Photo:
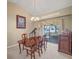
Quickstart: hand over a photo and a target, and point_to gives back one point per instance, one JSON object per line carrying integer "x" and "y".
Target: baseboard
{"x": 12, "y": 46}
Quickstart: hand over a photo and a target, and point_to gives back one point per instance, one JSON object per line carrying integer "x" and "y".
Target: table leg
{"x": 20, "y": 48}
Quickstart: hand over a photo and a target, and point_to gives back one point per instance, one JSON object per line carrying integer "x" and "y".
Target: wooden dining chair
{"x": 39, "y": 44}
{"x": 30, "y": 48}
{"x": 24, "y": 37}
{"x": 22, "y": 41}
{"x": 36, "y": 41}
{"x": 43, "y": 43}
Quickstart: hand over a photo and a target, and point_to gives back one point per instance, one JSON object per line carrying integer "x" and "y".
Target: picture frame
{"x": 20, "y": 22}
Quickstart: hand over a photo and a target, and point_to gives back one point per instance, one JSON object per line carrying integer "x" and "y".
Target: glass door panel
{"x": 51, "y": 32}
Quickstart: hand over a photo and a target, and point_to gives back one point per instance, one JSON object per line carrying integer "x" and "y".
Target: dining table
{"x": 30, "y": 42}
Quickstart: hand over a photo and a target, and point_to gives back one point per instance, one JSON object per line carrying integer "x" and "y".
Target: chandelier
{"x": 34, "y": 18}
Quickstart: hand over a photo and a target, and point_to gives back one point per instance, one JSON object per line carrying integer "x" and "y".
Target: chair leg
{"x": 41, "y": 50}
{"x": 34, "y": 54}
{"x": 41, "y": 47}
{"x": 31, "y": 55}
{"x": 44, "y": 47}
{"x": 23, "y": 47}
{"x": 46, "y": 44}
{"x": 27, "y": 52}
{"x": 38, "y": 51}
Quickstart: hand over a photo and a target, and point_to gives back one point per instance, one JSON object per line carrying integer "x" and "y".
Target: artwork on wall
{"x": 20, "y": 22}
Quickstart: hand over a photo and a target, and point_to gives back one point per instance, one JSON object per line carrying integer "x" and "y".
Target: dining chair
{"x": 30, "y": 47}
{"x": 38, "y": 39}
{"x": 22, "y": 41}
{"x": 24, "y": 37}
{"x": 43, "y": 43}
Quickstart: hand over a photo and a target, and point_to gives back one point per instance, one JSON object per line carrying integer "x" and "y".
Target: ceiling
{"x": 42, "y": 6}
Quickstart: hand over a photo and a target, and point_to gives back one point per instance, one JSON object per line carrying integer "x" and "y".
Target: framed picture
{"x": 20, "y": 21}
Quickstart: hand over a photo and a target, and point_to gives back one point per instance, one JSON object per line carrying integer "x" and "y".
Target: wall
{"x": 56, "y": 21}
{"x": 14, "y": 34}
{"x": 61, "y": 12}
{"x": 68, "y": 22}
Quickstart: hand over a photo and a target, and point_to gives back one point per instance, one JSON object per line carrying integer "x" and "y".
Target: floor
{"x": 50, "y": 53}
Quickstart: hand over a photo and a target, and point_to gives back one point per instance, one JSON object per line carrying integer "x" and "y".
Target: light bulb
{"x": 32, "y": 18}
{"x": 37, "y": 18}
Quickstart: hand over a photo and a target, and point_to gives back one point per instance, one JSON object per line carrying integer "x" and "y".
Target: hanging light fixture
{"x": 34, "y": 18}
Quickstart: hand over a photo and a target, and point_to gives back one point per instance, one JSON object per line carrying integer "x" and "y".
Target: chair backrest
{"x": 33, "y": 40}
{"x": 24, "y": 36}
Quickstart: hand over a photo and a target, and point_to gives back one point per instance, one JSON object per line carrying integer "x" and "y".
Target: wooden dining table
{"x": 20, "y": 42}
{"x": 30, "y": 42}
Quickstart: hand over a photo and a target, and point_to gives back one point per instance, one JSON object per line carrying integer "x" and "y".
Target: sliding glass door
{"x": 51, "y": 33}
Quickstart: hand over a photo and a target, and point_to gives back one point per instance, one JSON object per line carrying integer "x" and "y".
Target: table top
{"x": 29, "y": 42}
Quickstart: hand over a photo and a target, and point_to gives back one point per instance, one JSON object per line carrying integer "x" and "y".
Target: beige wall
{"x": 58, "y": 13}
{"x": 68, "y": 22}
{"x": 14, "y": 34}
{"x": 56, "y": 21}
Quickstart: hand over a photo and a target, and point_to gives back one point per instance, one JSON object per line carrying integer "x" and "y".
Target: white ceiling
{"x": 42, "y": 6}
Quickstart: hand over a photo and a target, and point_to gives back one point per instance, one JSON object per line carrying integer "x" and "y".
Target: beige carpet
{"x": 50, "y": 53}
